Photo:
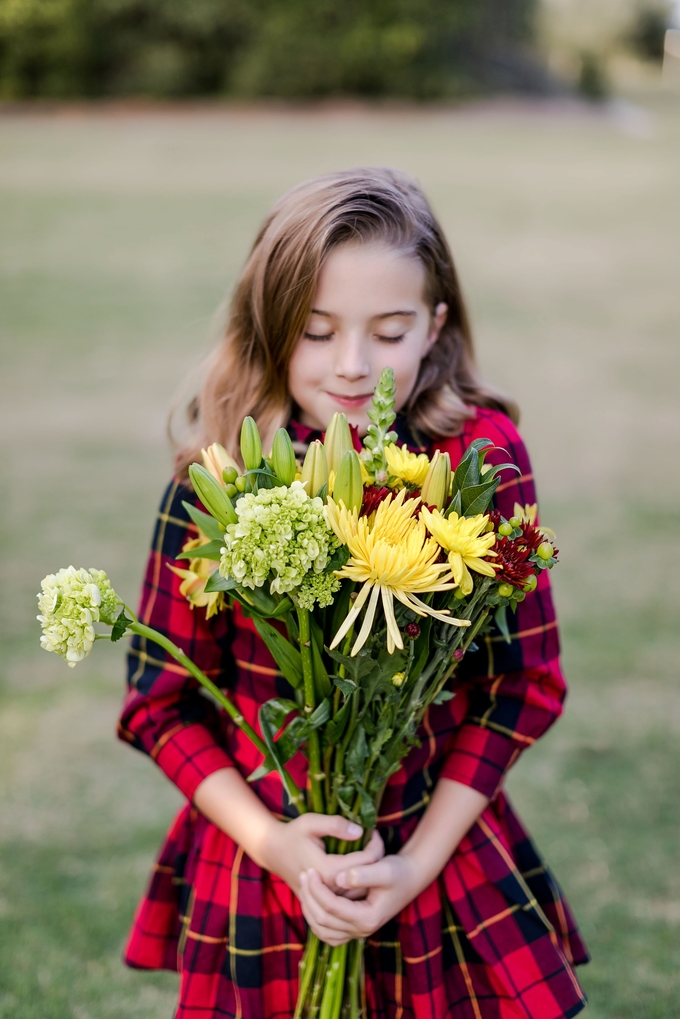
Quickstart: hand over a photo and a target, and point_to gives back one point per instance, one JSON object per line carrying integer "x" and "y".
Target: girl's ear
{"x": 438, "y": 320}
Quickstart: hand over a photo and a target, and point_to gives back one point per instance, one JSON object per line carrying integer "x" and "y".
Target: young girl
{"x": 349, "y": 273}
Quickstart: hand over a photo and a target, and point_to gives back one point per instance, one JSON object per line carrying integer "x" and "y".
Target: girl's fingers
{"x": 374, "y": 851}
{"x": 332, "y": 863}
{"x": 375, "y": 875}
{"x": 315, "y": 913}
{"x": 333, "y": 825}
{"x": 335, "y": 910}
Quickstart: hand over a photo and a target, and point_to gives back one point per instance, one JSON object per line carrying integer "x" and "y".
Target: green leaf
{"x": 443, "y": 696}
{"x": 259, "y": 601}
{"x": 338, "y": 559}
{"x": 501, "y": 620}
{"x": 322, "y": 683}
{"x": 495, "y": 469}
{"x": 284, "y": 654}
{"x": 120, "y": 626}
{"x": 209, "y": 551}
{"x": 272, "y": 715}
{"x": 476, "y": 499}
{"x": 358, "y": 752}
{"x": 207, "y": 524}
{"x": 335, "y": 729}
{"x": 367, "y": 811}
{"x": 347, "y": 686}
{"x": 216, "y": 582}
{"x": 321, "y": 714}
{"x": 467, "y": 471}
{"x": 455, "y": 506}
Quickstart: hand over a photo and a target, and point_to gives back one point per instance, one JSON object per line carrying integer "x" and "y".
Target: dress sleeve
{"x": 515, "y": 691}
{"x": 164, "y": 714}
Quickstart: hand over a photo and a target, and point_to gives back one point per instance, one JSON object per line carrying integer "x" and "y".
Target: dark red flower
{"x": 531, "y": 536}
{"x": 356, "y": 438}
{"x": 496, "y": 518}
{"x": 513, "y": 558}
{"x": 412, "y": 630}
{"x": 373, "y": 496}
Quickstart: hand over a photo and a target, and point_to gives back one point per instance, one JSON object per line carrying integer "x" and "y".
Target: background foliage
{"x": 414, "y": 48}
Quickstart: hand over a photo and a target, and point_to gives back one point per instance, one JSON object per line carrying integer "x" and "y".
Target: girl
{"x": 349, "y": 273}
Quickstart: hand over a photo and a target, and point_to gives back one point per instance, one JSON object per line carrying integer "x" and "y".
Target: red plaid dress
{"x": 491, "y": 938}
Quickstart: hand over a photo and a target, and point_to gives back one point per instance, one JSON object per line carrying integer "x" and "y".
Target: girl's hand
{"x": 392, "y": 883}
{"x": 293, "y": 847}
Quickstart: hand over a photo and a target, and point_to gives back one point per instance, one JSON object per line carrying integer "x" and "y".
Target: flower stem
{"x": 294, "y": 792}
{"x": 313, "y": 747}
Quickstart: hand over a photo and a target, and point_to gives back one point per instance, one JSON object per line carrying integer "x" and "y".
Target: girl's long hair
{"x": 248, "y": 371}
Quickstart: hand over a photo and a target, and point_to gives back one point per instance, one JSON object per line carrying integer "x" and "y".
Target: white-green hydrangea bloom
{"x": 70, "y": 603}
{"x": 281, "y": 536}
{"x": 317, "y": 588}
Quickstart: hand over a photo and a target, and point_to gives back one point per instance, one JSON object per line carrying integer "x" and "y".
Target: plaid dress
{"x": 491, "y": 938}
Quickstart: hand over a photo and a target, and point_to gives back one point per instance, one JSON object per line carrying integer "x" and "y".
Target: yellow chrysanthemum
{"x": 394, "y": 558}
{"x": 195, "y": 578}
{"x": 410, "y": 468}
{"x": 463, "y": 539}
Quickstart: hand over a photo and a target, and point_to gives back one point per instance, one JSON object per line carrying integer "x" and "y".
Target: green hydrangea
{"x": 282, "y": 537}
{"x": 317, "y": 588}
{"x": 70, "y": 602}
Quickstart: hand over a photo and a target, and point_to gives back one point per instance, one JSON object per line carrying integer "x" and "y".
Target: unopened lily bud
{"x": 251, "y": 444}
{"x": 348, "y": 487}
{"x": 283, "y": 457}
{"x": 217, "y": 460}
{"x": 212, "y": 495}
{"x": 437, "y": 480}
{"x": 338, "y": 441}
{"x": 315, "y": 468}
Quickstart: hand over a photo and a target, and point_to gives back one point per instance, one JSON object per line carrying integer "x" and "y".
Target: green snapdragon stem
{"x": 316, "y": 775}
{"x": 294, "y": 792}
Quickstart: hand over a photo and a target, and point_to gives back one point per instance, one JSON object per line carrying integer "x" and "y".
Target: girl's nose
{"x": 351, "y": 360}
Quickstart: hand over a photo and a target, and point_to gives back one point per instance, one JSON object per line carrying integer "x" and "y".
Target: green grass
{"x": 120, "y": 234}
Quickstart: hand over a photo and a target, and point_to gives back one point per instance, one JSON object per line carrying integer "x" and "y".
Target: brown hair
{"x": 248, "y": 372}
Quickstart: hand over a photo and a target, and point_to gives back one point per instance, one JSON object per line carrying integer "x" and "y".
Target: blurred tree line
{"x": 290, "y": 48}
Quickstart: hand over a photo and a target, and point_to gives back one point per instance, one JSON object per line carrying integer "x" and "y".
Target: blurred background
{"x": 141, "y": 142}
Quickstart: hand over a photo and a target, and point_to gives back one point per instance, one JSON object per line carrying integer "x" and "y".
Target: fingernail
{"x": 354, "y": 831}
{"x": 303, "y": 877}
{"x": 340, "y": 879}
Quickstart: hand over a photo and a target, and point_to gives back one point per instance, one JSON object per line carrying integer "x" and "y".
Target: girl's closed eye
{"x": 319, "y": 336}
{"x": 390, "y": 339}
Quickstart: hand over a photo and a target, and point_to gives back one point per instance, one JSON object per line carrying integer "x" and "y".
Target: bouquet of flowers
{"x": 368, "y": 575}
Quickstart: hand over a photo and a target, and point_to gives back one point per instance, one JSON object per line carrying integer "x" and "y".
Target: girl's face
{"x": 369, "y": 313}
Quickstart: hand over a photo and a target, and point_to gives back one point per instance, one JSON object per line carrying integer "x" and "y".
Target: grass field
{"x": 120, "y": 233}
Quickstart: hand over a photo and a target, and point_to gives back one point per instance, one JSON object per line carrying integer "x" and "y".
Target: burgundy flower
{"x": 531, "y": 536}
{"x": 373, "y": 496}
{"x": 513, "y": 558}
{"x": 412, "y": 630}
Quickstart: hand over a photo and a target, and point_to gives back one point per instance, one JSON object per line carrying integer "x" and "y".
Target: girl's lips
{"x": 351, "y": 401}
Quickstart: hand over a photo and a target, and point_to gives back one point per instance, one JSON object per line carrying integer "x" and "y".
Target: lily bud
{"x": 283, "y": 457}
{"x": 348, "y": 487}
{"x": 251, "y": 444}
{"x": 216, "y": 460}
{"x": 437, "y": 481}
{"x": 338, "y": 441}
{"x": 315, "y": 468}
{"x": 212, "y": 495}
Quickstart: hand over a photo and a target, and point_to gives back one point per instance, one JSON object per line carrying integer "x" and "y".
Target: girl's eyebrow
{"x": 387, "y": 314}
